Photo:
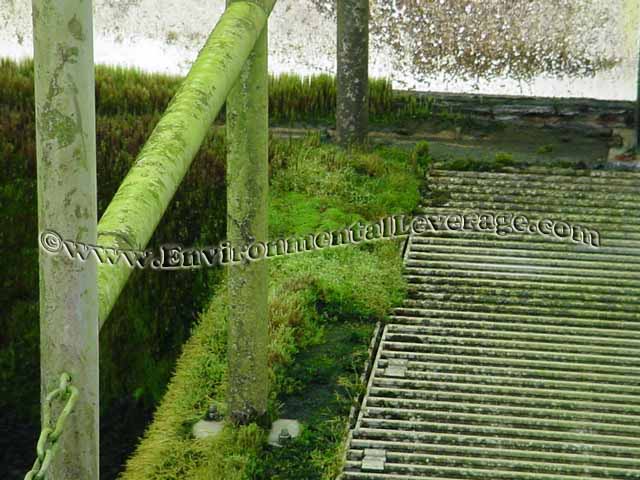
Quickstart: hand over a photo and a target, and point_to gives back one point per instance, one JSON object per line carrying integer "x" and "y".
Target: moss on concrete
{"x": 303, "y": 290}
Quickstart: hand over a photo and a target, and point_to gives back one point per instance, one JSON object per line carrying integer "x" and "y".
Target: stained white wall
{"x": 165, "y": 35}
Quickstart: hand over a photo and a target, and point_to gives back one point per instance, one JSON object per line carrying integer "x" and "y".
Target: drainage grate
{"x": 514, "y": 357}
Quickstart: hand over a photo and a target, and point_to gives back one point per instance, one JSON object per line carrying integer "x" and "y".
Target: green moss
{"x": 370, "y": 164}
{"x": 307, "y": 292}
{"x": 320, "y": 187}
{"x": 324, "y": 383}
{"x": 292, "y": 98}
{"x": 420, "y": 156}
{"x": 545, "y": 149}
{"x": 438, "y": 198}
{"x": 503, "y": 159}
{"x": 334, "y": 218}
{"x": 303, "y": 214}
{"x": 500, "y": 161}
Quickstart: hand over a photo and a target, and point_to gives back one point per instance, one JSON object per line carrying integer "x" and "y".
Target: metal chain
{"x": 48, "y": 441}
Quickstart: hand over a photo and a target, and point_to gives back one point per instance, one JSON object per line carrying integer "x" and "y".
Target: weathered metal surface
{"x": 637, "y": 109}
{"x": 373, "y": 460}
{"x": 352, "y": 107}
{"x": 247, "y": 199}
{"x": 520, "y": 351}
{"x": 66, "y": 156}
{"x": 145, "y": 193}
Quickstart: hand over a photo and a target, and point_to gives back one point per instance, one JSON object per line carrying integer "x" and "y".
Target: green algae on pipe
{"x": 67, "y": 203}
{"x": 247, "y": 198}
{"x": 138, "y": 205}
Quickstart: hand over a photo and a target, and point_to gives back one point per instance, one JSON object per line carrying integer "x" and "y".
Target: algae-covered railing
{"x": 77, "y": 297}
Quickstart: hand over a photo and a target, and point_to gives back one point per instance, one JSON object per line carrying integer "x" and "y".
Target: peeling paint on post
{"x": 66, "y": 152}
{"x": 247, "y": 198}
{"x": 145, "y": 193}
{"x": 352, "y": 108}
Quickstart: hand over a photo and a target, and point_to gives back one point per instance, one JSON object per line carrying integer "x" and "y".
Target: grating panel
{"x": 515, "y": 356}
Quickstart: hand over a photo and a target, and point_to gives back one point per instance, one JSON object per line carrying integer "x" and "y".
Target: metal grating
{"x": 513, "y": 357}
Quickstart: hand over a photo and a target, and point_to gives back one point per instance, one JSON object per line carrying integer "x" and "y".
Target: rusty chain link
{"x": 48, "y": 441}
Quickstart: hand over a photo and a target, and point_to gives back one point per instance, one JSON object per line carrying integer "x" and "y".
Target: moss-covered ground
{"x": 323, "y": 307}
{"x": 321, "y": 386}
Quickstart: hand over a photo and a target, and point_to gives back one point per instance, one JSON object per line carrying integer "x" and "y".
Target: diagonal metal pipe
{"x": 145, "y": 193}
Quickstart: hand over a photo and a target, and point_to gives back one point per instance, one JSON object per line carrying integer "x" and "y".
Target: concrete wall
{"x": 165, "y": 35}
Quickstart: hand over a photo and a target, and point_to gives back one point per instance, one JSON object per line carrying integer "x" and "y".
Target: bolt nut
{"x": 284, "y": 435}
{"x": 213, "y": 414}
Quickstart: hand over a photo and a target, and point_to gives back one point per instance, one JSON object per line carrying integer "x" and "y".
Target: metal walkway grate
{"x": 514, "y": 357}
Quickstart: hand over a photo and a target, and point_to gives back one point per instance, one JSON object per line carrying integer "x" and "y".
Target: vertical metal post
{"x": 247, "y": 123}
{"x": 66, "y": 153}
{"x": 637, "y": 115}
{"x": 352, "y": 108}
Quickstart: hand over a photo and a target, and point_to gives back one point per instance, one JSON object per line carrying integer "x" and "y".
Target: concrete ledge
{"x": 596, "y": 115}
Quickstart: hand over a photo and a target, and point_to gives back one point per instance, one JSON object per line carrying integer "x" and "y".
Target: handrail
{"x": 76, "y": 300}
{"x": 232, "y": 67}
{"x": 144, "y": 195}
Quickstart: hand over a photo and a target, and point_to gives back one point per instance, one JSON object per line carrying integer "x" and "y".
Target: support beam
{"x": 247, "y": 198}
{"x": 637, "y": 113}
{"x": 143, "y": 197}
{"x": 352, "y": 108}
{"x": 66, "y": 153}
{"x": 630, "y": 17}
